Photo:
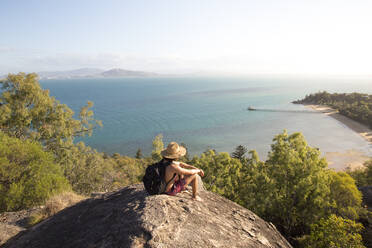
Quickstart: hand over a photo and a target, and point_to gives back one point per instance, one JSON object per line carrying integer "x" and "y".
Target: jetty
{"x": 250, "y": 108}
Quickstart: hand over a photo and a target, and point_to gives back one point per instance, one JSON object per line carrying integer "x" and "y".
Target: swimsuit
{"x": 177, "y": 187}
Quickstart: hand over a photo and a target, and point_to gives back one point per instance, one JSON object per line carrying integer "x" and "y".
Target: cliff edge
{"x": 131, "y": 218}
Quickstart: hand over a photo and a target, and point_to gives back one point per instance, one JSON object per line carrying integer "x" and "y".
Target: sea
{"x": 208, "y": 112}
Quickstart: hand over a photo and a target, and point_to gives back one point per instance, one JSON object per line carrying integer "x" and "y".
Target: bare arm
{"x": 187, "y": 166}
{"x": 186, "y": 172}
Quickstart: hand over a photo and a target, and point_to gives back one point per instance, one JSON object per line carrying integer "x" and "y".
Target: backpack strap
{"x": 174, "y": 175}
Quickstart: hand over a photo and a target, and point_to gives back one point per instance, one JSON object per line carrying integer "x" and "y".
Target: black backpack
{"x": 154, "y": 178}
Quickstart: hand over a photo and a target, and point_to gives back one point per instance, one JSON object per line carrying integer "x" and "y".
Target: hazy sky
{"x": 183, "y": 36}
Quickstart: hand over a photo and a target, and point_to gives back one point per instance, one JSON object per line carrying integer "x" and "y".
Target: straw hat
{"x": 173, "y": 151}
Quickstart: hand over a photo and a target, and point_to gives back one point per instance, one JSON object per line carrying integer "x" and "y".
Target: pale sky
{"x": 186, "y": 36}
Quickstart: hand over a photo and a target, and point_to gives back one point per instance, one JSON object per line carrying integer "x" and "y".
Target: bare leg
{"x": 194, "y": 184}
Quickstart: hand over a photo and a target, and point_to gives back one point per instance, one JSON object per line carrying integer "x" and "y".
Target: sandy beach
{"x": 351, "y": 159}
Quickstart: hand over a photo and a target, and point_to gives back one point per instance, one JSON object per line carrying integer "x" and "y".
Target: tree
{"x": 254, "y": 184}
{"x": 294, "y": 185}
{"x": 334, "y": 232}
{"x": 239, "y": 152}
{"x": 345, "y": 196}
{"x": 28, "y": 175}
{"x": 28, "y": 112}
{"x": 139, "y": 153}
{"x": 157, "y": 147}
{"x": 221, "y": 173}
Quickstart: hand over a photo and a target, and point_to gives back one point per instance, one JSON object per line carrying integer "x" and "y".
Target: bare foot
{"x": 187, "y": 192}
{"x": 197, "y": 198}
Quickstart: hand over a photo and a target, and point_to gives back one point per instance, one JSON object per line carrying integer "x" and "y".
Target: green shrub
{"x": 28, "y": 175}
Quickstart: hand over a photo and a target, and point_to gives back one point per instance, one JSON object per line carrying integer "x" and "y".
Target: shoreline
{"x": 352, "y": 159}
{"x": 361, "y": 129}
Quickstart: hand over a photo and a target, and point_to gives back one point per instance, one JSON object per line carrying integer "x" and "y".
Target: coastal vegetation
{"x": 356, "y": 106}
{"x": 293, "y": 188}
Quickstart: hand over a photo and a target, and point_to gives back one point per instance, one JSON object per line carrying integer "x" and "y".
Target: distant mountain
{"x": 127, "y": 73}
{"x": 94, "y": 73}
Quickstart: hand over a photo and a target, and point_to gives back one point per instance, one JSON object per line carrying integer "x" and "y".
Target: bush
{"x": 28, "y": 174}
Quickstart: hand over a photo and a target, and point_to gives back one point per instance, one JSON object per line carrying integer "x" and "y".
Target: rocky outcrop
{"x": 131, "y": 218}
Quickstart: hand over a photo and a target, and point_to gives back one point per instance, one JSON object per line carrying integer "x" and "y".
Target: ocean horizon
{"x": 207, "y": 113}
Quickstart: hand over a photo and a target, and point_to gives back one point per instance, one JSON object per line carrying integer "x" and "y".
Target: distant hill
{"x": 127, "y": 73}
{"x": 94, "y": 73}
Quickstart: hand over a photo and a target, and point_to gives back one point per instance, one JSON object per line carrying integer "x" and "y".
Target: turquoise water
{"x": 206, "y": 113}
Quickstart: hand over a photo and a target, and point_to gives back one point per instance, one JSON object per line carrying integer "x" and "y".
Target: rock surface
{"x": 12, "y": 223}
{"x": 7, "y": 231}
{"x": 131, "y": 218}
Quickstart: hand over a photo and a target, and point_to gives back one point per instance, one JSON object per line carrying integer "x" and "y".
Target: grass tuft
{"x": 53, "y": 205}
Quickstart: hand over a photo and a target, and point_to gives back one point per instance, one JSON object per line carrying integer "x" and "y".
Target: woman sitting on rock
{"x": 179, "y": 174}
